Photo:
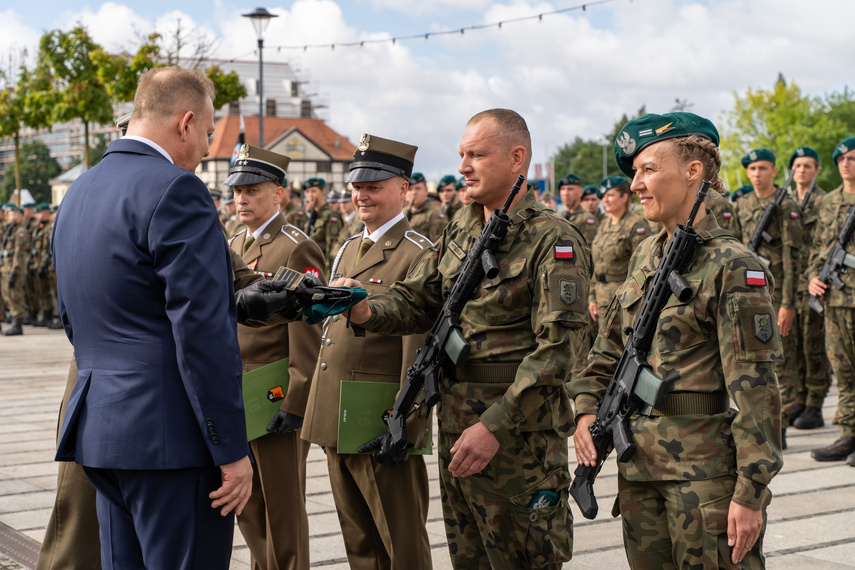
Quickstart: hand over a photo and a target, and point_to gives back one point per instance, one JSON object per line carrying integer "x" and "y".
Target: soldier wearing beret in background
{"x": 447, "y": 190}
{"x": 591, "y": 202}
{"x": 839, "y": 303}
{"x": 783, "y": 255}
{"x": 571, "y": 193}
{"x": 424, "y": 217}
{"x": 322, "y": 223}
{"x": 17, "y": 244}
{"x": 813, "y": 376}
{"x": 740, "y": 192}
{"x": 695, "y": 491}
{"x": 617, "y": 236}
{"x": 721, "y": 207}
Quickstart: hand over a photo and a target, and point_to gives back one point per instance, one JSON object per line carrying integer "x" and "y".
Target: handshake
{"x": 289, "y": 295}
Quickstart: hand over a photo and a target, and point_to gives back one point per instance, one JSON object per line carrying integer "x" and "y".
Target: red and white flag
{"x": 755, "y": 278}
{"x": 564, "y": 252}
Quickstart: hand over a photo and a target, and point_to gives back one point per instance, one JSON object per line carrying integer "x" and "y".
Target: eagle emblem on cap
{"x": 363, "y": 142}
{"x": 842, "y": 148}
{"x": 752, "y": 155}
{"x": 626, "y": 143}
{"x": 800, "y": 151}
{"x": 244, "y": 152}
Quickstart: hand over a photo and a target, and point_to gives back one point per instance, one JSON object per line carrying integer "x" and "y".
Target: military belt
{"x": 488, "y": 372}
{"x": 694, "y": 404}
{"x": 603, "y": 278}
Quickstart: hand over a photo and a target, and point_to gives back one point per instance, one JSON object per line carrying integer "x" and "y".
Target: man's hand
{"x": 360, "y": 312}
{"x": 262, "y": 300}
{"x": 473, "y": 450}
{"x": 387, "y": 453}
{"x": 786, "y": 316}
{"x": 583, "y": 442}
{"x": 816, "y": 287}
{"x": 592, "y": 309}
{"x": 743, "y": 530}
{"x": 237, "y": 486}
{"x": 283, "y": 422}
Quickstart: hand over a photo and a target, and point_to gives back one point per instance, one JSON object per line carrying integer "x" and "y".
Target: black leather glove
{"x": 283, "y": 422}
{"x": 12, "y": 278}
{"x": 387, "y": 453}
{"x": 262, "y": 300}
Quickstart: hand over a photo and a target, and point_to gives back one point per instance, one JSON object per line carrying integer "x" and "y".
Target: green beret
{"x": 570, "y": 180}
{"x": 640, "y": 133}
{"x": 757, "y": 155}
{"x": 741, "y": 191}
{"x": 417, "y": 178}
{"x": 461, "y": 183}
{"x": 803, "y": 151}
{"x": 42, "y": 206}
{"x": 315, "y": 183}
{"x": 446, "y": 180}
{"x": 547, "y": 196}
{"x": 53, "y": 209}
{"x": 590, "y": 189}
{"x": 842, "y": 148}
{"x": 612, "y": 182}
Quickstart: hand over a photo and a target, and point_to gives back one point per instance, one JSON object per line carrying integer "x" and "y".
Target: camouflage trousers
{"x": 813, "y": 372}
{"x": 680, "y": 524}
{"x": 840, "y": 346}
{"x": 786, "y": 370}
{"x": 14, "y": 296}
{"x": 488, "y": 521}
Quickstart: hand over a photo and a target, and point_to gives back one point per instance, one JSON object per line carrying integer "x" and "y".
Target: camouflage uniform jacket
{"x": 786, "y": 232}
{"x": 41, "y": 245}
{"x": 292, "y": 212}
{"x": 324, "y": 229}
{"x": 810, "y": 215}
{"x": 721, "y": 207}
{"x": 427, "y": 220}
{"x": 526, "y": 324}
{"x": 16, "y": 249}
{"x": 449, "y": 210}
{"x": 351, "y": 228}
{"x": 723, "y": 339}
{"x": 611, "y": 250}
{"x": 832, "y": 214}
{"x": 586, "y": 222}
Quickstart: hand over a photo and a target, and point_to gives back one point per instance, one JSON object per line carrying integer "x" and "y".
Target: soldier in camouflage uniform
{"x": 591, "y": 200}
{"x": 694, "y": 493}
{"x": 783, "y": 256}
{"x": 352, "y": 224}
{"x": 617, "y": 238}
{"x": 322, "y": 224}
{"x": 839, "y": 304}
{"x": 813, "y": 376}
{"x": 4, "y": 231}
{"x": 292, "y": 208}
{"x": 447, "y": 190}
{"x": 722, "y": 209}
{"x": 424, "y": 217}
{"x": 571, "y": 192}
{"x": 41, "y": 244}
{"x": 16, "y": 250}
{"x": 504, "y": 419}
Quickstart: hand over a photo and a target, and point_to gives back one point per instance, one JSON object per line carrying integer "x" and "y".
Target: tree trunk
{"x": 17, "y": 138}
{"x": 86, "y": 144}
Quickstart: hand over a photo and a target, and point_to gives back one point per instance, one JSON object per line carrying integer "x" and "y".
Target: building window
{"x": 324, "y": 166}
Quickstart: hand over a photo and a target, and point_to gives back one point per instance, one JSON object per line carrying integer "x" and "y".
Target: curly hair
{"x": 694, "y": 147}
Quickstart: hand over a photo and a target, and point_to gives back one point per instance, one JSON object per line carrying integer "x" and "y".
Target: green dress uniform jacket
{"x": 611, "y": 250}
{"x": 427, "y": 220}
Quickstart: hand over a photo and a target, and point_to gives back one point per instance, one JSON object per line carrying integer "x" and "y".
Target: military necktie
{"x": 363, "y": 248}
{"x": 247, "y": 243}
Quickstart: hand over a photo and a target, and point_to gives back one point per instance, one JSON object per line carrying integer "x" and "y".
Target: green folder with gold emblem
{"x": 263, "y": 391}
{"x": 360, "y": 414}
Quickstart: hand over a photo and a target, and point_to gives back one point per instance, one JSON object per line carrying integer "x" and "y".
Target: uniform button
{"x": 532, "y": 517}
{"x": 335, "y": 319}
{"x": 328, "y": 342}
{"x": 323, "y": 365}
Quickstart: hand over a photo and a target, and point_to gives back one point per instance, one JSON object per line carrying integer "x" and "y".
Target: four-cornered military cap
{"x": 842, "y": 148}
{"x": 611, "y": 182}
{"x": 379, "y": 159}
{"x": 741, "y": 191}
{"x": 801, "y": 152}
{"x": 446, "y": 180}
{"x": 570, "y": 180}
{"x": 254, "y": 165}
{"x": 757, "y": 155}
{"x": 590, "y": 189}
{"x": 648, "y": 129}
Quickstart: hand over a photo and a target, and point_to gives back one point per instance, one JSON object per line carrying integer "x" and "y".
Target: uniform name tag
{"x": 456, "y": 250}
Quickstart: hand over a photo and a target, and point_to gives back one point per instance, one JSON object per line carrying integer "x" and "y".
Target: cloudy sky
{"x": 569, "y": 74}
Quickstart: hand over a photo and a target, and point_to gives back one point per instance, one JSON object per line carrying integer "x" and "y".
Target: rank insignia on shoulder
{"x": 726, "y": 215}
{"x": 763, "y": 327}
{"x": 276, "y": 394}
{"x": 794, "y": 216}
{"x": 564, "y": 252}
{"x": 378, "y": 281}
{"x": 756, "y": 278}
{"x": 313, "y": 271}
{"x": 640, "y": 231}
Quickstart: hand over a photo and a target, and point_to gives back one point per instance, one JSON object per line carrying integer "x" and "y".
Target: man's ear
{"x": 184, "y": 124}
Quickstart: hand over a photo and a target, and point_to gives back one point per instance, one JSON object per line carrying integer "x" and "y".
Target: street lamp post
{"x": 260, "y": 18}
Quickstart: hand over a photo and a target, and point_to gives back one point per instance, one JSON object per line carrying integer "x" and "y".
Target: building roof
{"x": 227, "y": 129}
{"x": 69, "y": 175}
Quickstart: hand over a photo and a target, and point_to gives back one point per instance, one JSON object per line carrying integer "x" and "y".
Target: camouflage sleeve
{"x": 749, "y": 346}
{"x": 791, "y": 239}
{"x": 735, "y": 224}
{"x": 640, "y": 232}
{"x": 23, "y": 247}
{"x": 823, "y": 236}
{"x": 437, "y": 224}
{"x": 559, "y": 291}
{"x": 588, "y": 388}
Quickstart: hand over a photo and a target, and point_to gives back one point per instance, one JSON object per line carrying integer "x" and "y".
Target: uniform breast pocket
{"x": 629, "y": 297}
{"x": 505, "y": 298}
{"x": 679, "y": 326}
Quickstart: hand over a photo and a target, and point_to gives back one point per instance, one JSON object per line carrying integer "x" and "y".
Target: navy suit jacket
{"x": 146, "y": 298}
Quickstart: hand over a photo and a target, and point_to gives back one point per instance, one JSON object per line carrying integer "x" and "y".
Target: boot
{"x": 850, "y": 459}
{"x": 41, "y": 320}
{"x": 796, "y": 413}
{"x": 810, "y": 419}
{"x": 837, "y": 451}
{"x": 55, "y": 324}
{"x": 30, "y": 318}
{"x": 15, "y": 330}
{"x": 783, "y": 439}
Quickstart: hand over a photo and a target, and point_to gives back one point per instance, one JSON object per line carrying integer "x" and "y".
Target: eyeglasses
{"x": 849, "y": 159}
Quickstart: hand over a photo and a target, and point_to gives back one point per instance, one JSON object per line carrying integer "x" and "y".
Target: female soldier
{"x": 618, "y": 234}
{"x": 694, "y": 493}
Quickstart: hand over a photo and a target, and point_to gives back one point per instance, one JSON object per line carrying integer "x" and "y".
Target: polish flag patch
{"x": 564, "y": 252}
{"x": 726, "y": 215}
{"x": 640, "y": 231}
{"x": 755, "y": 278}
{"x": 591, "y": 221}
{"x": 794, "y": 216}
{"x": 314, "y": 272}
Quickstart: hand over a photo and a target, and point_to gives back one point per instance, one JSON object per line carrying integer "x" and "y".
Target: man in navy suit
{"x": 146, "y": 298}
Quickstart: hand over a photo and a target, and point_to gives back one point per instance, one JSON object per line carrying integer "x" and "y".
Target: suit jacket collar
{"x": 379, "y": 251}
{"x": 133, "y": 147}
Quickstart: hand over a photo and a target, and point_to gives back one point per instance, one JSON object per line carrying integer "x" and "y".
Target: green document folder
{"x": 360, "y": 414}
{"x": 263, "y": 391}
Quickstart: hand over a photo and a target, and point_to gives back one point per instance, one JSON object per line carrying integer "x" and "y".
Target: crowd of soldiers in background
{"x": 28, "y": 281}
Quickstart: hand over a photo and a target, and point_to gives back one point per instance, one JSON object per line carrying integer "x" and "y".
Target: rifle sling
{"x": 488, "y": 372}
{"x": 694, "y": 404}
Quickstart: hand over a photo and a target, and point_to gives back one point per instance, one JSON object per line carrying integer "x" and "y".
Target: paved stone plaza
{"x": 811, "y": 519}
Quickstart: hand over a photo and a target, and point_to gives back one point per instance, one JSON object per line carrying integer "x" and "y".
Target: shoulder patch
{"x": 416, "y": 238}
{"x": 726, "y": 215}
{"x": 569, "y": 291}
{"x": 565, "y": 252}
{"x": 794, "y": 216}
{"x": 591, "y": 221}
{"x": 755, "y": 278}
{"x": 640, "y": 231}
{"x": 763, "y": 327}
{"x": 333, "y": 219}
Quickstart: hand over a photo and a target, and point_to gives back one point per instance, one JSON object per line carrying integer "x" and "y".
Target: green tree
{"x": 37, "y": 169}
{"x": 77, "y": 91}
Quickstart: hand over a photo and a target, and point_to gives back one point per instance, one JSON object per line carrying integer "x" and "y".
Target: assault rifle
{"x": 809, "y": 192}
{"x": 634, "y": 388}
{"x": 838, "y": 260}
{"x": 769, "y": 213}
{"x": 445, "y": 346}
